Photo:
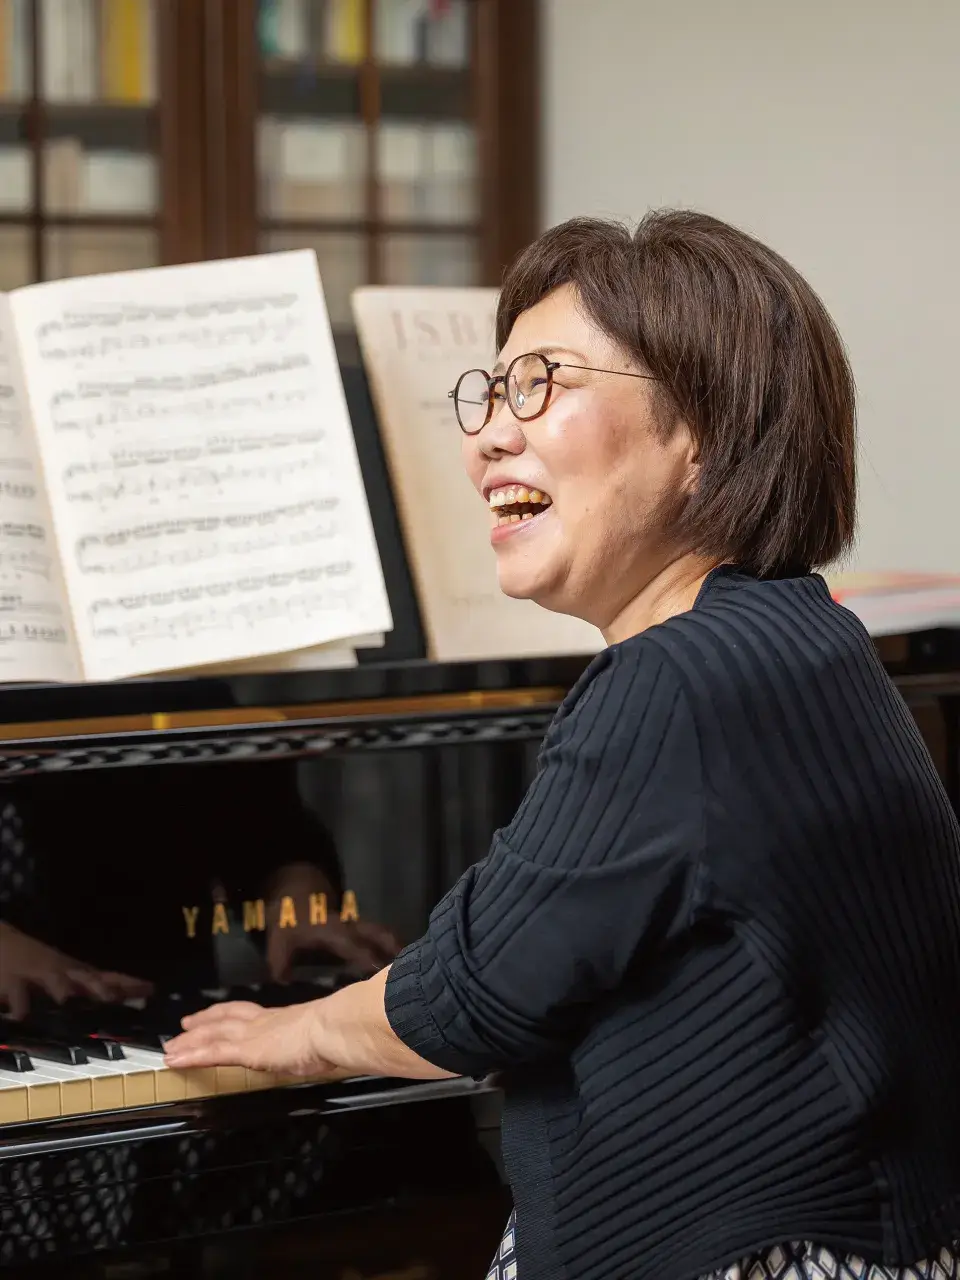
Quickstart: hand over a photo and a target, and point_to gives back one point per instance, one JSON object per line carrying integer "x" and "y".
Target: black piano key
{"x": 101, "y": 1047}
{"x": 59, "y": 1026}
{"x": 50, "y": 1051}
{"x": 140, "y": 1039}
{"x": 14, "y": 1059}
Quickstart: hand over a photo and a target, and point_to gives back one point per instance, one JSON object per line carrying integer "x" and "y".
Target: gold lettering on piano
{"x": 348, "y": 908}
{"x": 190, "y": 916}
{"x": 258, "y": 916}
{"x": 254, "y": 915}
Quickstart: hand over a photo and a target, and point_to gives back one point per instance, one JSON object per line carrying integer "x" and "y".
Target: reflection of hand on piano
{"x": 364, "y": 945}
{"x": 28, "y": 965}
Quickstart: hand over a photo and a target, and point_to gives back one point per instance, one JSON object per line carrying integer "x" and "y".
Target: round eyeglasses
{"x": 527, "y": 385}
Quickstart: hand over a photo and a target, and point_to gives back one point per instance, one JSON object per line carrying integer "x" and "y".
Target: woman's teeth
{"x": 516, "y": 503}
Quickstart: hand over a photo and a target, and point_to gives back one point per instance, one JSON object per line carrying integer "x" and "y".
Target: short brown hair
{"x": 744, "y": 352}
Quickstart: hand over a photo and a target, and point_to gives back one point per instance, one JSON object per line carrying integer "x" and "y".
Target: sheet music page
{"x": 321, "y": 657}
{"x": 36, "y": 636}
{"x": 200, "y": 462}
{"x": 416, "y": 342}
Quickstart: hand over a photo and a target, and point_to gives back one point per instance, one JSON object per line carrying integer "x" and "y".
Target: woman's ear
{"x": 687, "y": 453}
{"x": 691, "y": 478}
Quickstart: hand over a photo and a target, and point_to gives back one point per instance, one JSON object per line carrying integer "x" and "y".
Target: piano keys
{"x": 44, "y": 1090}
{"x": 55, "y": 1065}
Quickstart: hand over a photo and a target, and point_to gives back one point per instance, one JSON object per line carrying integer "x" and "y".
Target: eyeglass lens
{"x": 526, "y": 382}
{"x": 472, "y": 400}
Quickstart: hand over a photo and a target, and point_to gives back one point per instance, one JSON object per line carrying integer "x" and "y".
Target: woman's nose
{"x": 502, "y": 434}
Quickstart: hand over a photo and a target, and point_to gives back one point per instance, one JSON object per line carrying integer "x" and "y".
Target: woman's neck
{"x": 674, "y": 590}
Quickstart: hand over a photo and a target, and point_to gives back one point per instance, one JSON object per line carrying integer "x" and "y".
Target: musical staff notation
{"x": 175, "y": 542}
{"x": 198, "y": 464}
{"x": 35, "y": 634}
{"x": 138, "y": 619}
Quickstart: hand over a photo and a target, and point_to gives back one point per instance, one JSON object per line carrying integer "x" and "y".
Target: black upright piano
{"x": 165, "y": 844}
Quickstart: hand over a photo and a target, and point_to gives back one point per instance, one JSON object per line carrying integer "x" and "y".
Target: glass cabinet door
{"x": 81, "y": 137}
{"x": 312, "y": 139}
{"x": 426, "y": 144}
{"x": 366, "y": 143}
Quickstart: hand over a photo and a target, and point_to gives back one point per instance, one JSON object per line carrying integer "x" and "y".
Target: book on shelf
{"x": 16, "y": 188}
{"x": 405, "y": 32}
{"x": 312, "y": 169}
{"x": 313, "y": 30}
{"x": 415, "y": 342}
{"x": 179, "y": 480}
{"x": 103, "y": 180}
{"x": 92, "y": 50}
{"x": 427, "y": 171}
{"x": 893, "y": 603}
{"x": 434, "y": 32}
{"x": 15, "y": 49}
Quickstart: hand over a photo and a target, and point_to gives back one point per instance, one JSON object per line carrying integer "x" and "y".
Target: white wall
{"x": 830, "y": 129}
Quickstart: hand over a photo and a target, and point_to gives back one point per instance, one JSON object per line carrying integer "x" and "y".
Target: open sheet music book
{"x": 415, "y": 344}
{"x": 178, "y": 476}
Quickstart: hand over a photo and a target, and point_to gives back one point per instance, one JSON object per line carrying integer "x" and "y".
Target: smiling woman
{"x": 715, "y": 957}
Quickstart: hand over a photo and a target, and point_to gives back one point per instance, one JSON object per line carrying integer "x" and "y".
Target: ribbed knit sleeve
{"x": 594, "y": 873}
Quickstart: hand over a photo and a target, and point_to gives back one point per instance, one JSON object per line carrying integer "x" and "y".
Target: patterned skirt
{"x": 800, "y": 1261}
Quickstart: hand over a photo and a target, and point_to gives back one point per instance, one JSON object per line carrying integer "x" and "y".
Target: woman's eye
{"x": 498, "y": 393}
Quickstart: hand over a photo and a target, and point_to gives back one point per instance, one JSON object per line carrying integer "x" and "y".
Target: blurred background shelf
{"x": 139, "y": 132}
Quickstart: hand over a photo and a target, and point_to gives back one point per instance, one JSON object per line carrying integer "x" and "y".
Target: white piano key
{"x": 84, "y": 1086}
{"x": 201, "y": 1082}
{"x": 140, "y": 1079}
{"x": 55, "y": 1089}
{"x": 44, "y": 1100}
{"x": 111, "y": 1085}
{"x": 13, "y": 1098}
{"x": 117, "y": 1084}
{"x": 173, "y": 1085}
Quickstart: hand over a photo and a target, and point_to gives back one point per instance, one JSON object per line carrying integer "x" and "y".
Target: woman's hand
{"x": 364, "y": 945}
{"x": 240, "y": 1034}
{"x": 341, "y": 1035}
{"x": 28, "y": 965}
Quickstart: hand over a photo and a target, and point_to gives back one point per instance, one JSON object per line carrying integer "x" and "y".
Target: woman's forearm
{"x": 353, "y": 1032}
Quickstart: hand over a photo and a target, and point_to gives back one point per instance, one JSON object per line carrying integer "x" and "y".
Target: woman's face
{"x": 596, "y": 455}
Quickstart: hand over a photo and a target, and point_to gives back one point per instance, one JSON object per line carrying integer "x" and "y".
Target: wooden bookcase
{"x": 404, "y": 149}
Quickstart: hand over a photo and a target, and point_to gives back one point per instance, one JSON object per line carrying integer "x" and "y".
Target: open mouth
{"x": 514, "y": 503}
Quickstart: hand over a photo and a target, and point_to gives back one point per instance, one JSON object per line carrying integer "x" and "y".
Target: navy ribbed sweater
{"x": 716, "y": 955}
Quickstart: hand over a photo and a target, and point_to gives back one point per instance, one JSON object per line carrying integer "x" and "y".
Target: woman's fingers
{"x": 16, "y": 994}
{"x": 235, "y": 1038}
{"x": 231, "y": 1010}
{"x": 62, "y": 977}
{"x": 220, "y": 1044}
{"x": 57, "y": 984}
{"x": 91, "y": 983}
{"x": 129, "y": 988}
